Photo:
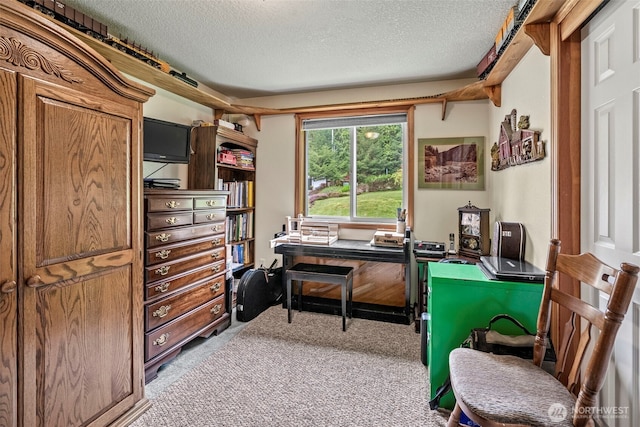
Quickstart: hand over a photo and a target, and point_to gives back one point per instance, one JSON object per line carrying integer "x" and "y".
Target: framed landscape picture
{"x": 451, "y": 163}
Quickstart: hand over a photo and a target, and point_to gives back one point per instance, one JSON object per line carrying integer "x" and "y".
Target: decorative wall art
{"x": 451, "y": 163}
{"x": 517, "y": 144}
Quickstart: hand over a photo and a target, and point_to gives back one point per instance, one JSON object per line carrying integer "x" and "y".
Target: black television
{"x": 166, "y": 142}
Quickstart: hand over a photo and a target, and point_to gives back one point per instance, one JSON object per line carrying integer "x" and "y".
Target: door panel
{"x": 611, "y": 182}
{"x": 81, "y": 258}
{"x": 92, "y": 178}
{"x": 8, "y": 289}
{"x": 76, "y": 377}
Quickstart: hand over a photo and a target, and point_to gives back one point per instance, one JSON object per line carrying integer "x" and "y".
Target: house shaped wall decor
{"x": 517, "y": 144}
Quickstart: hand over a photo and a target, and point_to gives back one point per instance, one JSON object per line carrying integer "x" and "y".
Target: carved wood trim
{"x": 19, "y": 54}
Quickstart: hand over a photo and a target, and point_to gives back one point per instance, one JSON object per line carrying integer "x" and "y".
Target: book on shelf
{"x": 240, "y": 255}
{"x": 240, "y": 193}
{"x": 244, "y": 158}
{"x": 240, "y": 226}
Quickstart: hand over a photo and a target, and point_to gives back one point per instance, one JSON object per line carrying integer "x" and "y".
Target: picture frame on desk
{"x": 451, "y": 163}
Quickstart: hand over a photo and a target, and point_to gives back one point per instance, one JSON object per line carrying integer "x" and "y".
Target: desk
{"x": 359, "y": 250}
{"x": 460, "y": 298}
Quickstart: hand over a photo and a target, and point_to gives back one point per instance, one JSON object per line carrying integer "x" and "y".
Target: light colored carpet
{"x": 307, "y": 373}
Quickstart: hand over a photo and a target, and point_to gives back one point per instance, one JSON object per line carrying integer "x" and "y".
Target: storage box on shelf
{"x": 224, "y": 159}
{"x": 185, "y": 263}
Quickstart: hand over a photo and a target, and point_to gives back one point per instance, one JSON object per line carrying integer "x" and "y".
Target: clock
{"x": 473, "y": 229}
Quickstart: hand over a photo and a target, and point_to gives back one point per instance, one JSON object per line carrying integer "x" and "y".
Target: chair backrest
{"x": 618, "y": 284}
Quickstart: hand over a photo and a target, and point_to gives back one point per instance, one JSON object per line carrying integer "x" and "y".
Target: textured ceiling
{"x": 249, "y": 48}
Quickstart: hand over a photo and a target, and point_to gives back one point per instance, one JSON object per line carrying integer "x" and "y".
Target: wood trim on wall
{"x": 566, "y": 180}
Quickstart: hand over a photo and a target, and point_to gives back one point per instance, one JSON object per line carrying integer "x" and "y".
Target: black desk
{"x": 362, "y": 251}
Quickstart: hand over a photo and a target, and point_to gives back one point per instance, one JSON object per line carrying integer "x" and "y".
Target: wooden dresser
{"x": 185, "y": 293}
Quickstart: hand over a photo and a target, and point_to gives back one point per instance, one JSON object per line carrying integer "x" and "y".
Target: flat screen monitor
{"x": 166, "y": 142}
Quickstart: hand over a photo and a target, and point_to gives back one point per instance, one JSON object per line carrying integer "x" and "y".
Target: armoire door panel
{"x": 83, "y": 187}
{"x": 83, "y": 341}
{"x": 8, "y": 285}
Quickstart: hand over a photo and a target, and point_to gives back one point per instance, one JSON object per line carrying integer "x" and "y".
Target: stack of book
{"x": 244, "y": 158}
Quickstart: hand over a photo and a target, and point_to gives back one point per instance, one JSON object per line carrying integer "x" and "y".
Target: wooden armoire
{"x": 71, "y": 344}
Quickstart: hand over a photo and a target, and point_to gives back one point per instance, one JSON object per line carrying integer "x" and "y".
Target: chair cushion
{"x": 508, "y": 389}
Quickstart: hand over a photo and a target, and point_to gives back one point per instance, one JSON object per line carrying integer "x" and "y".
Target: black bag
{"x": 490, "y": 341}
{"x": 258, "y": 290}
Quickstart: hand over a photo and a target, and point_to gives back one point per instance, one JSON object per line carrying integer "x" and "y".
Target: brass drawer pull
{"x": 172, "y": 204}
{"x": 161, "y": 340}
{"x": 171, "y": 220}
{"x": 216, "y": 287}
{"x": 162, "y": 271}
{"x": 216, "y": 308}
{"x": 211, "y": 216}
{"x": 216, "y": 255}
{"x": 163, "y": 288}
{"x": 8, "y": 286}
{"x": 163, "y": 254}
{"x": 162, "y": 311}
{"x": 216, "y": 228}
{"x": 211, "y": 202}
{"x": 216, "y": 242}
{"x": 216, "y": 269}
{"x": 163, "y": 237}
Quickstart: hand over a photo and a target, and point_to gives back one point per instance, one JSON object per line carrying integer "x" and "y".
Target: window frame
{"x": 408, "y": 163}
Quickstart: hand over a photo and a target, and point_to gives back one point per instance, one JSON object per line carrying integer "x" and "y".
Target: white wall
{"x": 165, "y": 105}
{"x": 523, "y": 193}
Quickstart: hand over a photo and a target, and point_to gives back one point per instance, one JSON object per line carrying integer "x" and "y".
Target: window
{"x": 354, "y": 166}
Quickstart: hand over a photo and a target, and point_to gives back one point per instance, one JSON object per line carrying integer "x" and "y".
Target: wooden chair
{"x": 497, "y": 390}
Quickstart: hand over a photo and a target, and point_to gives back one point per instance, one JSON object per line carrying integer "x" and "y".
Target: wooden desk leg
{"x": 289, "y": 299}
{"x": 343, "y": 293}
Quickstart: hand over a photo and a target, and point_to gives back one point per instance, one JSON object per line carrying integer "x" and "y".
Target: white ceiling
{"x": 249, "y": 48}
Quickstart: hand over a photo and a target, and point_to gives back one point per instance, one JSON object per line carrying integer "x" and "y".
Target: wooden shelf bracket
{"x": 494, "y": 93}
{"x": 540, "y": 34}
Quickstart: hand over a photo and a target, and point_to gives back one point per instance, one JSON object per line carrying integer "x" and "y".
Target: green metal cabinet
{"x": 460, "y": 298}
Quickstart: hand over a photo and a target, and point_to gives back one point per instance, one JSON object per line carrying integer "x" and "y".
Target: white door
{"x": 611, "y": 182}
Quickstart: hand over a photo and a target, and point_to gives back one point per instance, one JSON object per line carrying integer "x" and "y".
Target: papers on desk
{"x": 308, "y": 232}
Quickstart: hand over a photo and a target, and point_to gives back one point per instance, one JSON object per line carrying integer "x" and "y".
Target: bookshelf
{"x": 224, "y": 159}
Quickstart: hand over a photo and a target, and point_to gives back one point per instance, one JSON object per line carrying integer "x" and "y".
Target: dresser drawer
{"x": 217, "y": 201}
{"x": 169, "y": 219}
{"x": 169, "y": 269}
{"x": 167, "y": 309}
{"x": 200, "y": 217}
{"x": 175, "y": 283}
{"x": 169, "y": 203}
{"x": 161, "y": 237}
{"x": 178, "y": 250}
{"x": 174, "y": 332}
